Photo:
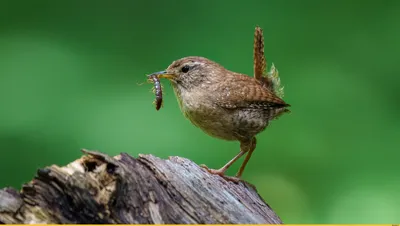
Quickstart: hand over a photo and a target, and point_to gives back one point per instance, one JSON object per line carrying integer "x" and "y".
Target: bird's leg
{"x": 245, "y": 146}
{"x": 223, "y": 169}
{"x": 251, "y": 147}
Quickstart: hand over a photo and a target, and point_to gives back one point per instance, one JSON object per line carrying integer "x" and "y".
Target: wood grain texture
{"x": 99, "y": 189}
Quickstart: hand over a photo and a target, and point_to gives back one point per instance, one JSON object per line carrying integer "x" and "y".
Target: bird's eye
{"x": 185, "y": 69}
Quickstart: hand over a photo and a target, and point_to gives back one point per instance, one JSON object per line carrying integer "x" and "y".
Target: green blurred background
{"x": 69, "y": 75}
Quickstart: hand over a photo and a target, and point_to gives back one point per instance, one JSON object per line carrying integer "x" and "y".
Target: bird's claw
{"x": 221, "y": 173}
{"x": 213, "y": 171}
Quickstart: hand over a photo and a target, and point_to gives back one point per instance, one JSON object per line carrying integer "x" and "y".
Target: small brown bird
{"x": 225, "y": 104}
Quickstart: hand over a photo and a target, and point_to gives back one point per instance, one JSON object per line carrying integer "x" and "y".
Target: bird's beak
{"x": 163, "y": 74}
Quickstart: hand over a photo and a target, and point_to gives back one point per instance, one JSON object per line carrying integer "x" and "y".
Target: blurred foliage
{"x": 70, "y": 74}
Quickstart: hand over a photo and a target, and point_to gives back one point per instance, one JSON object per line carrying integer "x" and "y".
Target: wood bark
{"x": 99, "y": 189}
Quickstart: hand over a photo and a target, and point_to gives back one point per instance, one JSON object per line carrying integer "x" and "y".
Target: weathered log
{"x": 99, "y": 189}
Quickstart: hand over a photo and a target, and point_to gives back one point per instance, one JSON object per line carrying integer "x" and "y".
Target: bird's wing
{"x": 247, "y": 92}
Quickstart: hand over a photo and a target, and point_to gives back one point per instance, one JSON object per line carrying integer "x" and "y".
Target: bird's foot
{"x": 220, "y": 172}
{"x": 233, "y": 179}
{"x": 213, "y": 171}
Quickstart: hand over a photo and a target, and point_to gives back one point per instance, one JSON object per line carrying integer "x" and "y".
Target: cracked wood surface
{"x": 99, "y": 189}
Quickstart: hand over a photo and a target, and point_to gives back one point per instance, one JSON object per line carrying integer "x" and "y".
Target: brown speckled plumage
{"x": 260, "y": 63}
{"x": 226, "y": 104}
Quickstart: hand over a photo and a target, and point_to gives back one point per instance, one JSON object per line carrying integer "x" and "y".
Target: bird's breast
{"x": 200, "y": 109}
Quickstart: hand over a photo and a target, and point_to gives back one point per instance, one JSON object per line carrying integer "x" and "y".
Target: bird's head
{"x": 191, "y": 72}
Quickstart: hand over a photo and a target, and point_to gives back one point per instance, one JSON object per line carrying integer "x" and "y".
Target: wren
{"x": 225, "y": 104}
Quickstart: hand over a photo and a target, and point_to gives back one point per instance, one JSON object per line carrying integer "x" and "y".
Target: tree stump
{"x": 99, "y": 189}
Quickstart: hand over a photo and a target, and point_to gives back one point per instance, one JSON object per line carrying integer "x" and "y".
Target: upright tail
{"x": 270, "y": 80}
